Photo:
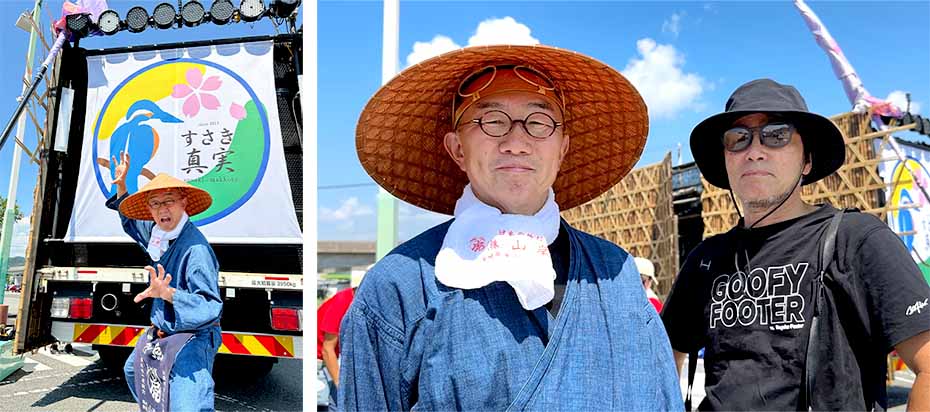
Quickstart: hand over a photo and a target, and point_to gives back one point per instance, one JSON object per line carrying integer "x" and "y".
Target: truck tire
{"x": 113, "y": 357}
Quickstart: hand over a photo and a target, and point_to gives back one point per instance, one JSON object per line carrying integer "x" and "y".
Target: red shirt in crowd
{"x": 654, "y": 300}
{"x": 329, "y": 316}
{"x": 656, "y": 303}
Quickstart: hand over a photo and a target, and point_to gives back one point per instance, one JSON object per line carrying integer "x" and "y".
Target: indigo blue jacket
{"x": 411, "y": 343}
{"x": 197, "y": 309}
{"x": 194, "y": 273}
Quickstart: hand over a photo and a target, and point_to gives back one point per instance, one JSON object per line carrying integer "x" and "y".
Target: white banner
{"x": 207, "y": 115}
{"x": 905, "y": 180}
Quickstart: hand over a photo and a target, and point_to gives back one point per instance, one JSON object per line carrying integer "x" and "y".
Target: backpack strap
{"x": 692, "y": 369}
{"x": 812, "y": 359}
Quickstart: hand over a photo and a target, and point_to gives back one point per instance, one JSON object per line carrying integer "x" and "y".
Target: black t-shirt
{"x": 745, "y": 296}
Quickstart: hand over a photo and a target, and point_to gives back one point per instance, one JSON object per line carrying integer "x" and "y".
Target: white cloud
{"x": 350, "y": 209}
{"x": 20, "y": 237}
{"x": 659, "y": 76}
{"x": 899, "y": 98}
{"x": 673, "y": 24}
{"x": 424, "y": 50}
{"x": 413, "y": 220}
{"x": 491, "y": 31}
{"x": 502, "y": 31}
{"x": 354, "y": 220}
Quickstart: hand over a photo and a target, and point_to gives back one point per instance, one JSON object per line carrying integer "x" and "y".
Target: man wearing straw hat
{"x": 798, "y": 305}
{"x": 186, "y": 303}
{"x": 506, "y": 306}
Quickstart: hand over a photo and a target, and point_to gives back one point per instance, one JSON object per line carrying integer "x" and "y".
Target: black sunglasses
{"x": 774, "y": 135}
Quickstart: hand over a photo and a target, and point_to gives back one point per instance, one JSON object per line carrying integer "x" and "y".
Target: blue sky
{"x": 684, "y": 57}
{"x": 14, "y": 42}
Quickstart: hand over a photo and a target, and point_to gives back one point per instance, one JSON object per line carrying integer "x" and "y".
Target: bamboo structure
{"x": 638, "y": 215}
{"x": 638, "y": 212}
{"x": 856, "y": 184}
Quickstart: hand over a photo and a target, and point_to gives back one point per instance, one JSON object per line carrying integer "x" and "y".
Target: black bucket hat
{"x": 822, "y": 139}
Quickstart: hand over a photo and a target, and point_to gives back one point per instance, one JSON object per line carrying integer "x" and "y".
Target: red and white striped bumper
{"x": 236, "y": 343}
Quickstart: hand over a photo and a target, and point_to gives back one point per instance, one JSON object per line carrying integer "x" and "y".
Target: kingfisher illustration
{"x": 138, "y": 139}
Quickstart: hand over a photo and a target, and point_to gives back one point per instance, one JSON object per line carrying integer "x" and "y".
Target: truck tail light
{"x": 286, "y": 319}
{"x": 60, "y": 307}
{"x": 81, "y": 308}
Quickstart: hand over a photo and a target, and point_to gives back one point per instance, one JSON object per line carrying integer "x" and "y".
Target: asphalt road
{"x": 78, "y": 381}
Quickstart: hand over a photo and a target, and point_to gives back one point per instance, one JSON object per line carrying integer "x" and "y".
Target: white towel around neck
{"x": 484, "y": 245}
{"x": 158, "y": 243}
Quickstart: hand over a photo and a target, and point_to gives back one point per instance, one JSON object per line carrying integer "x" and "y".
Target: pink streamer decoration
{"x": 852, "y": 85}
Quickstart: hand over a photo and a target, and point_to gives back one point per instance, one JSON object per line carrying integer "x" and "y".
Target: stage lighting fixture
{"x": 251, "y": 10}
{"x": 164, "y": 15}
{"x": 137, "y": 19}
{"x": 192, "y": 13}
{"x": 108, "y": 22}
{"x": 78, "y": 24}
{"x": 283, "y": 8}
{"x": 221, "y": 11}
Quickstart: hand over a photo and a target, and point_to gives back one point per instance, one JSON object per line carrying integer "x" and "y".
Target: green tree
{"x": 16, "y": 212}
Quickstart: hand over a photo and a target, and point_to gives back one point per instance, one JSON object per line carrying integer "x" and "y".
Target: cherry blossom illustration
{"x": 195, "y": 92}
{"x": 237, "y": 111}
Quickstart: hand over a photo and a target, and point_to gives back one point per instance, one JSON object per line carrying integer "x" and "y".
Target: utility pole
{"x": 387, "y": 204}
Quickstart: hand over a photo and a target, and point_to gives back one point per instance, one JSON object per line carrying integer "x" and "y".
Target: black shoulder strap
{"x": 692, "y": 369}
{"x": 811, "y": 360}
{"x": 829, "y": 242}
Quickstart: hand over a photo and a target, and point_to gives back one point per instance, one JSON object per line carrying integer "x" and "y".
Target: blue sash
{"x": 154, "y": 360}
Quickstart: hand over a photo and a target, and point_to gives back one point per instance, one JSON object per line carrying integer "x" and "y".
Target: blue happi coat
{"x": 411, "y": 343}
{"x": 197, "y": 308}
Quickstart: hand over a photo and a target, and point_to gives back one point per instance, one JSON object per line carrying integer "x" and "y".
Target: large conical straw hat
{"x": 136, "y": 205}
{"x": 399, "y": 138}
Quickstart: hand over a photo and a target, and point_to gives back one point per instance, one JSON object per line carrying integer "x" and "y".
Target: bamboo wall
{"x": 637, "y": 214}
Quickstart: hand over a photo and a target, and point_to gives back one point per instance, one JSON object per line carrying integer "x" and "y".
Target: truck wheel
{"x": 113, "y": 357}
{"x": 69, "y": 349}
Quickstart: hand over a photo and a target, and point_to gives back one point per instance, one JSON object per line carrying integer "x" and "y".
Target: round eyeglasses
{"x": 496, "y": 123}
{"x": 155, "y": 205}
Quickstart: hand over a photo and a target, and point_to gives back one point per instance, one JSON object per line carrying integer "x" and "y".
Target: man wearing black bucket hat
{"x": 785, "y": 323}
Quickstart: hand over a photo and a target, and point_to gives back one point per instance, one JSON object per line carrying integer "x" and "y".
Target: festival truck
{"x": 223, "y": 115}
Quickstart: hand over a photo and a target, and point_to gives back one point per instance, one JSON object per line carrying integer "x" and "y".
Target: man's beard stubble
{"x": 762, "y": 205}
